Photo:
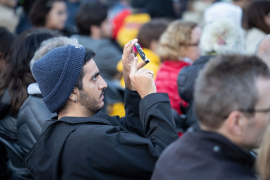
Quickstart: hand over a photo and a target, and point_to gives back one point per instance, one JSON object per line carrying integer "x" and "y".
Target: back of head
{"x": 151, "y": 31}
{"x": 227, "y": 83}
{"x": 6, "y": 39}
{"x": 18, "y": 75}
{"x": 256, "y": 14}
{"x": 51, "y": 44}
{"x": 173, "y": 41}
{"x": 90, "y": 13}
{"x": 263, "y": 50}
{"x": 40, "y": 10}
{"x": 221, "y": 37}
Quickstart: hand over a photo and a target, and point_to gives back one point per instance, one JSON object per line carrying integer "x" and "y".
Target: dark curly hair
{"x": 17, "y": 75}
{"x": 90, "y": 13}
{"x": 40, "y": 10}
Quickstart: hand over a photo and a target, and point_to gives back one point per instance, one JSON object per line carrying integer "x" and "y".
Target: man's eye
{"x": 95, "y": 79}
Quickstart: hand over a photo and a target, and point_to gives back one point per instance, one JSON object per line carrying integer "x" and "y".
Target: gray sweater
{"x": 107, "y": 55}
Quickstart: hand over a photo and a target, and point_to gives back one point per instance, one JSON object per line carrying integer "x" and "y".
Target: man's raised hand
{"x": 128, "y": 58}
{"x": 142, "y": 80}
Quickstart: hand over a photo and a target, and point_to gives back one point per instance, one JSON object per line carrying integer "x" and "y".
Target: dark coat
{"x": 11, "y": 167}
{"x": 206, "y": 156}
{"x": 185, "y": 83}
{"x": 31, "y": 117}
{"x": 104, "y": 147}
{"x": 8, "y": 123}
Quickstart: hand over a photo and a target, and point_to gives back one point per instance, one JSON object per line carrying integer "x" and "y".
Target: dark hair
{"x": 227, "y": 83}
{"x": 151, "y": 31}
{"x": 6, "y": 39}
{"x": 256, "y": 14}
{"x": 90, "y": 13}
{"x": 17, "y": 75}
{"x": 40, "y": 10}
{"x": 89, "y": 54}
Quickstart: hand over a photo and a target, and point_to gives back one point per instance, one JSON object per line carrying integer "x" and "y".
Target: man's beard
{"x": 89, "y": 102}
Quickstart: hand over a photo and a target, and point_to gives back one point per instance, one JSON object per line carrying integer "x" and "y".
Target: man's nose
{"x": 103, "y": 84}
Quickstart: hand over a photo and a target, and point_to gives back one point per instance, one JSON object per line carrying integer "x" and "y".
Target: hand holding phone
{"x": 141, "y": 53}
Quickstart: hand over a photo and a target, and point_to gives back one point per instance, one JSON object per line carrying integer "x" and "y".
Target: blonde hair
{"x": 173, "y": 41}
{"x": 263, "y": 160}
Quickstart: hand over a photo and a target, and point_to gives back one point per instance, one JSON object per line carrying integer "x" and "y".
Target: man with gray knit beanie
{"x": 84, "y": 143}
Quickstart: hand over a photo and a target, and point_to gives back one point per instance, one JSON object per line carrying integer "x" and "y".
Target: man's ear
{"x": 74, "y": 95}
{"x": 235, "y": 123}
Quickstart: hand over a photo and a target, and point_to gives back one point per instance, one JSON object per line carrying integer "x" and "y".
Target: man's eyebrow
{"x": 95, "y": 75}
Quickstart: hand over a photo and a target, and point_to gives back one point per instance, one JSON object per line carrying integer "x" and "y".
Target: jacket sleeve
{"x": 186, "y": 82}
{"x": 132, "y": 121}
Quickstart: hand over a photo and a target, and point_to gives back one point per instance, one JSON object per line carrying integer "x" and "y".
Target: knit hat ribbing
{"x": 57, "y": 74}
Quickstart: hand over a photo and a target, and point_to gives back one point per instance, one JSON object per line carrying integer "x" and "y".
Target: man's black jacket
{"x": 204, "y": 155}
{"x": 104, "y": 147}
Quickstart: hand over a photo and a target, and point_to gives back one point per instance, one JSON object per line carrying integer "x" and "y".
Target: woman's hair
{"x": 255, "y": 16}
{"x": 222, "y": 36}
{"x": 173, "y": 41}
{"x": 17, "y": 75}
{"x": 263, "y": 160}
{"x": 40, "y": 10}
{"x": 6, "y": 39}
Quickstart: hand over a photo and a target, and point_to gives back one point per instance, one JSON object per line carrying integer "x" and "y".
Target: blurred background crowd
{"x": 178, "y": 36}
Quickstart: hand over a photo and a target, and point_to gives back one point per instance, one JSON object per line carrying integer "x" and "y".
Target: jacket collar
{"x": 100, "y": 117}
{"x": 220, "y": 144}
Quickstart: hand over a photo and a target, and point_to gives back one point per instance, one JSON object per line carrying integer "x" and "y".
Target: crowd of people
{"x": 77, "y": 101}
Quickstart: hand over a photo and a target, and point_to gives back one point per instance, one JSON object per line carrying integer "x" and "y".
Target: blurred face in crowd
{"x": 255, "y": 126}
{"x": 10, "y": 3}
{"x": 57, "y": 16}
{"x": 267, "y": 20}
{"x": 92, "y": 95}
{"x": 192, "y": 50}
{"x": 106, "y": 29}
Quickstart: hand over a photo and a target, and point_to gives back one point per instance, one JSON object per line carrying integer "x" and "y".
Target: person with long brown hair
{"x": 6, "y": 39}
{"x": 258, "y": 24}
{"x": 14, "y": 83}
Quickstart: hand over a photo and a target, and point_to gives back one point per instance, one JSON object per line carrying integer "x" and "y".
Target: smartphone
{"x": 141, "y": 53}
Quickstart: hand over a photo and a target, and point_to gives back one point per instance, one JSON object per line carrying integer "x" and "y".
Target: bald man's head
{"x": 263, "y": 50}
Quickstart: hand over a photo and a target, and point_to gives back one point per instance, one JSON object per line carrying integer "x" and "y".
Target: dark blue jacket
{"x": 104, "y": 147}
{"x": 204, "y": 155}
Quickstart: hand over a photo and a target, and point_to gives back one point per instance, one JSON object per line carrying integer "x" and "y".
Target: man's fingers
{"x": 127, "y": 44}
{"x": 133, "y": 69}
{"x": 141, "y": 64}
{"x": 130, "y": 46}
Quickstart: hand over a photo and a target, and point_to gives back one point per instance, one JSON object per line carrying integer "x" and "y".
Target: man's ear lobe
{"x": 235, "y": 122}
{"x": 73, "y": 96}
